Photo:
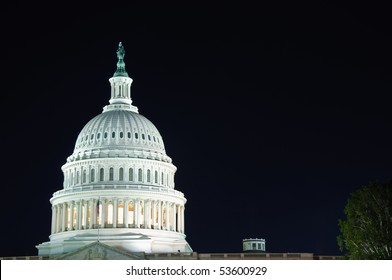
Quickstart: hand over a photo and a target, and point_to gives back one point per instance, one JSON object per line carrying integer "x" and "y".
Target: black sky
{"x": 272, "y": 114}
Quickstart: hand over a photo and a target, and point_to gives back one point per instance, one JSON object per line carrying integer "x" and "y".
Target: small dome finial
{"x": 120, "y": 64}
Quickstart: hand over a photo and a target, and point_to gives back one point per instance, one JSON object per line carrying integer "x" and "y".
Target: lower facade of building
{"x": 101, "y": 251}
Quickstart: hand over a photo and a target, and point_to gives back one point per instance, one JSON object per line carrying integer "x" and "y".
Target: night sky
{"x": 272, "y": 114}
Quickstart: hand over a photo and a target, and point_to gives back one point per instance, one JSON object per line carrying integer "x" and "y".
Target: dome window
{"x": 113, "y": 134}
{"x": 148, "y": 175}
{"x": 136, "y": 135}
{"x": 111, "y": 174}
{"x": 121, "y": 174}
{"x": 92, "y": 175}
{"x": 77, "y": 177}
{"x": 149, "y": 137}
{"x": 86, "y": 137}
{"x": 156, "y": 177}
{"x": 130, "y": 174}
{"x": 140, "y": 175}
{"x": 121, "y": 134}
{"x": 161, "y": 178}
{"x": 98, "y": 135}
{"x": 129, "y": 135}
{"x": 105, "y": 135}
{"x": 84, "y": 178}
{"x": 153, "y": 138}
{"x": 92, "y": 137}
{"x": 143, "y": 137}
{"x": 101, "y": 174}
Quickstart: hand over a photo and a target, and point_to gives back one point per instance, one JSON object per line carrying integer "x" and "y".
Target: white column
{"x": 58, "y": 219}
{"x": 76, "y": 214}
{"x": 126, "y": 204}
{"x": 147, "y": 214}
{"x": 182, "y": 219}
{"x": 104, "y": 213}
{"x": 159, "y": 214}
{"x": 93, "y": 209}
{"x": 85, "y": 214}
{"x": 142, "y": 220}
{"x": 171, "y": 216}
{"x": 150, "y": 213}
{"x": 174, "y": 217}
{"x": 71, "y": 215}
{"x": 167, "y": 216}
{"x": 79, "y": 218}
{"x": 136, "y": 213}
{"x": 179, "y": 218}
{"x": 90, "y": 210}
{"x": 65, "y": 216}
{"x": 154, "y": 214}
{"x": 53, "y": 229}
{"x": 115, "y": 210}
{"x": 133, "y": 221}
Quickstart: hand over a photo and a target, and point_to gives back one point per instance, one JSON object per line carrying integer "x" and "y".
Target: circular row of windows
{"x": 121, "y": 134}
{"x": 75, "y": 178}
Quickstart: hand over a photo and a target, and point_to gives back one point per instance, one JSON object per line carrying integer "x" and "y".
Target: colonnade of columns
{"x": 117, "y": 213}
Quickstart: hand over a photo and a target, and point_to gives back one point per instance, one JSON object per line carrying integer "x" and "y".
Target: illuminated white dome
{"x": 119, "y": 133}
{"x": 118, "y": 184}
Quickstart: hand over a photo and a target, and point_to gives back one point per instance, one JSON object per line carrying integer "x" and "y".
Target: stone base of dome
{"x": 129, "y": 240}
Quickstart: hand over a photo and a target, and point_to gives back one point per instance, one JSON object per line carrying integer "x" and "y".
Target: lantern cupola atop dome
{"x": 120, "y": 86}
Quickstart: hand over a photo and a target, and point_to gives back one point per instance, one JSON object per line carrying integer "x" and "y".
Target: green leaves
{"x": 367, "y": 231}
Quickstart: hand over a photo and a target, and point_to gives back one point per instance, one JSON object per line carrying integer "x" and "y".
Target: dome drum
{"x": 121, "y": 171}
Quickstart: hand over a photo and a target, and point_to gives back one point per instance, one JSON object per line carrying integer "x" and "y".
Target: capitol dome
{"x": 118, "y": 184}
{"x": 120, "y": 133}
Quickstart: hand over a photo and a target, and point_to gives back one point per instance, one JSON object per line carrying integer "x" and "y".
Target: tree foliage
{"x": 367, "y": 231}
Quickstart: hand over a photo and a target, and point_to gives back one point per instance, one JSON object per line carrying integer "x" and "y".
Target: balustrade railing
{"x": 118, "y": 187}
